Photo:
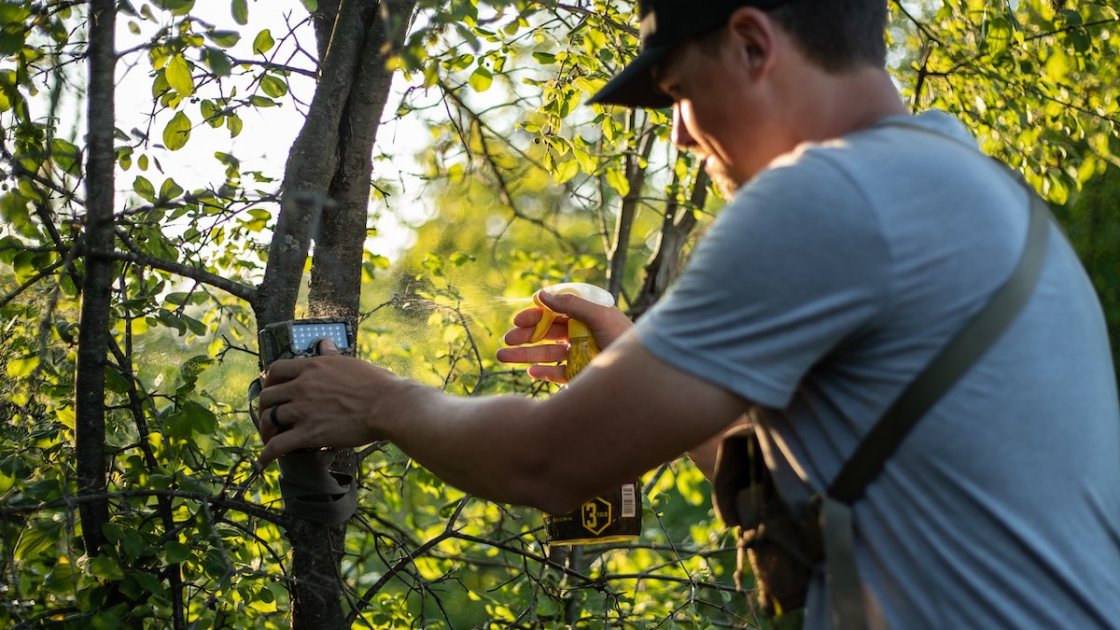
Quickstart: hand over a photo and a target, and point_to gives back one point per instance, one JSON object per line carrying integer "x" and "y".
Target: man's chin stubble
{"x": 725, "y": 184}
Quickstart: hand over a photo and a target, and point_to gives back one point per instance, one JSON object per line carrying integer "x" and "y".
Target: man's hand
{"x": 606, "y": 324}
{"x": 322, "y": 401}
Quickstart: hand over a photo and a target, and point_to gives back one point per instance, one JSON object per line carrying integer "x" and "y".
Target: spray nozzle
{"x": 589, "y": 292}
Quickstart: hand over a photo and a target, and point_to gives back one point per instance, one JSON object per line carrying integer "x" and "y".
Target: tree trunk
{"x": 311, "y": 165}
{"x": 336, "y": 272}
{"x": 635, "y": 175}
{"x": 326, "y": 197}
{"x": 93, "y": 337}
{"x": 665, "y": 264}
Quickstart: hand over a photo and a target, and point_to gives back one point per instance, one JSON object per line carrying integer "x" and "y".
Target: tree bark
{"x": 93, "y": 336}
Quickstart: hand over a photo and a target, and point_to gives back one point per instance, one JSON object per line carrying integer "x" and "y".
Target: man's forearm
{"x": 495, "y": 447}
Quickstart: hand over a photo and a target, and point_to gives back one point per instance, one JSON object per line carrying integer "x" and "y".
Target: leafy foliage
{"x": 525, "y": 187}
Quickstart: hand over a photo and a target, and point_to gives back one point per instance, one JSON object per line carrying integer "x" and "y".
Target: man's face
{"x": 719, "y": 112}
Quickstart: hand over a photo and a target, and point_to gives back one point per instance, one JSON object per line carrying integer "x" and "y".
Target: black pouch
{"x": 780, "y": 549}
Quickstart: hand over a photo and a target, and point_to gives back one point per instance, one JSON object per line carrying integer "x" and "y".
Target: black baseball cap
{"x": 666, "y": 24}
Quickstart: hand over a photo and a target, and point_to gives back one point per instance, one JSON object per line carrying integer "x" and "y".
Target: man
{"x": 852, "y": 250}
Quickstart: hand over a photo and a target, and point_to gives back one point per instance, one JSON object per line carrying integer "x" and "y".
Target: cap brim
{"x": 634, "y": 86}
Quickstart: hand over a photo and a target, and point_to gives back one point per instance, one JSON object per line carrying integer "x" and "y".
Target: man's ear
{"x": 752, "y": 32}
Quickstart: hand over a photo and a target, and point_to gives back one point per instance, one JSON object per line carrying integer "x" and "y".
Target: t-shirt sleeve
{"x": 793, "y": 266}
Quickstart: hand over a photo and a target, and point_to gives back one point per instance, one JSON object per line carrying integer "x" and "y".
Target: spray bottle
{"x": 611, "y": 517}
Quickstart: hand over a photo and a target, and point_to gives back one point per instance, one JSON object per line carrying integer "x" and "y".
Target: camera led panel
{"x": 303, "y": 335}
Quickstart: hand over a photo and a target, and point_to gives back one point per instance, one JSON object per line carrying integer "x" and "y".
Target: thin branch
{"x": 135, "y": 255}
{"x": 72, "y": 501}
{"x": 29, "y": 283}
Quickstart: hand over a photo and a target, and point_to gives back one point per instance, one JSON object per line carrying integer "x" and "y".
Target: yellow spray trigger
{"x": 576, "y": 328}
{"x": 547, "y": 317}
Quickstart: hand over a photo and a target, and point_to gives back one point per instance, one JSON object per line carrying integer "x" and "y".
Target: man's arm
{"x": 625, "y": 414}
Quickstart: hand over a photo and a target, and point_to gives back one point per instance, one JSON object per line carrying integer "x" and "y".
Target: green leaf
{"x": 176, "y": 552}
{"x": 148, "y": 582}
{"x": 998, "y": 36}
{"x": 210, "y": 113}
{"x": 141, "y": 186}
{"x": 116, "y": 382}
{"x": 6, "y": 481}
{"x": 104, "y": 567}
{"x": 233, "y": 122}
{"x": 178, "y": 425}
{"x": 433, "y": 264}
{"x": 481, "y": 79}
{"x": 1058, "y": 66}
{"x": 274, "y": 86}
{"x": 169, "y": 190}
{"x": 460, "y": 258}
{"x": 240, "y": 11}
{"x": 178, "y": 74}
{"x": 59, "y": 581}
{"x": 177, "y": 132}
{"x": 225, "y": 39}
{"x": 16, "y": 214}
{"x": 37, "y": 537}
{"x": 66, "y": 155}
{"x": 263, "y": 42}
{"x": 202, "y": 419}
{"x": 194, "y": 325}
{"x": 566, "y": 170}
{"x": 618, "y": 181}
{"x": 19, "y": 368}
{"x": 44, "y": 490}
{"x": 190, "y": 371}
{"x": 218, "y": 62}
{"x": 544, "y": 58}
{"x": 177, "y": 7}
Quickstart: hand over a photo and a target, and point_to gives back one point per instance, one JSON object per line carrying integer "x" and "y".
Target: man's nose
{"x": 680, "y": 135}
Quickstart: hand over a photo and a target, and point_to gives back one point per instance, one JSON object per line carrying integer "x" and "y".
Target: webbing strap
{"x": 845, "y": 591}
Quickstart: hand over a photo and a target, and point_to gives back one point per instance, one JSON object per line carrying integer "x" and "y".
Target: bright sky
{"x": 268, "y": 133}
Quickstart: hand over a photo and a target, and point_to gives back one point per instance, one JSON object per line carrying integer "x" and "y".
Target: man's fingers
{"x": 551, "y": 373}
{"x": 527, "y": 318}
{"x": 327, "y": 347}
{"x": 573, "y": 306}
{"x": 281, "y": 444}
{"x": 273, "y": 395}
{"x": 518, "y": 336}
{"x": 283, "y": 371}
{"x": 547, "y": 353}
{"x": 275, "y": 420}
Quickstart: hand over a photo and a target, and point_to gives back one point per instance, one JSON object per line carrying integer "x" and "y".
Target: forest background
{"x": 150, "y": 226}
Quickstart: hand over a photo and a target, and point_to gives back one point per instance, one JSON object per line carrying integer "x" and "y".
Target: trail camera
{"x": 299, "y": 338}
{"x": 311, "y": 489}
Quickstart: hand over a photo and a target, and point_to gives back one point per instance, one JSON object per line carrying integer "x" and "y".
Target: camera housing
{"x": 299, "y": 338}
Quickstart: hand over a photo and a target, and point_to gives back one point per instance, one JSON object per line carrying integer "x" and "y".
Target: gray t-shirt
{"x": 821, "y": 290}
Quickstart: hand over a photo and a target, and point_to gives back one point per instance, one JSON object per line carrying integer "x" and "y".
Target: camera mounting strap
{"x": 311, "y": 490}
